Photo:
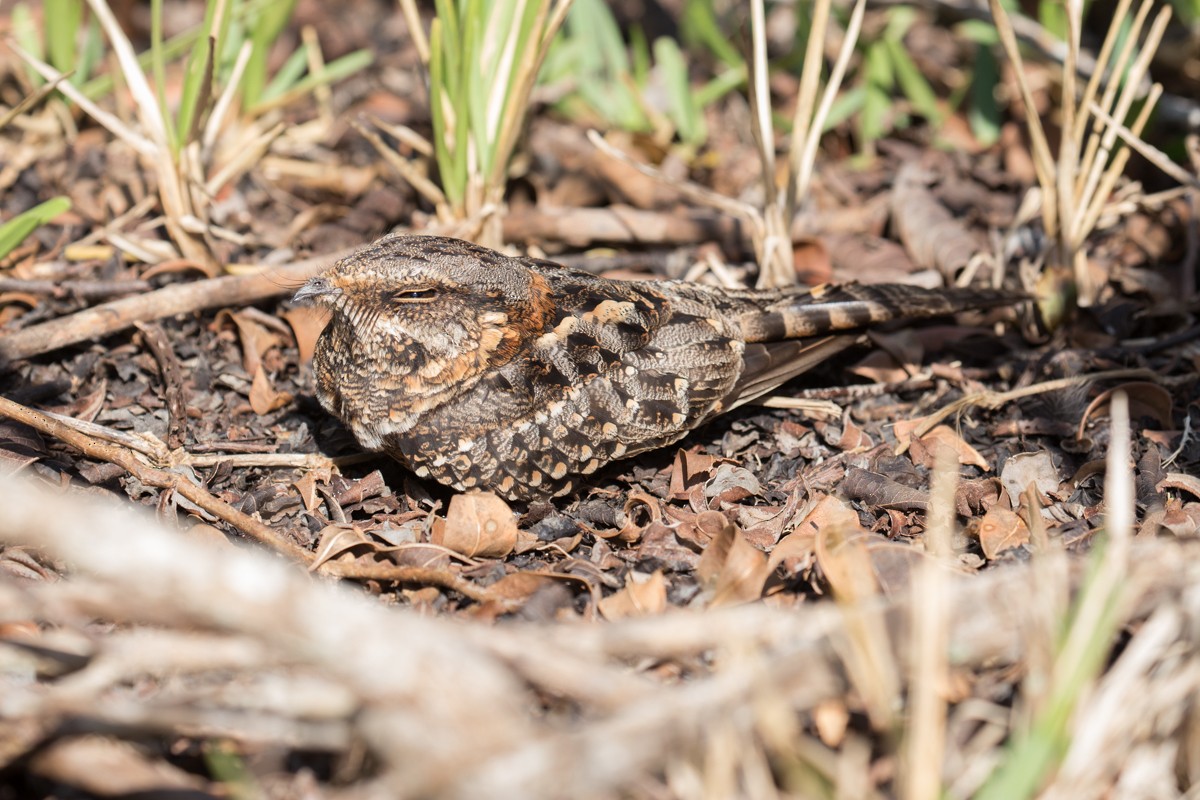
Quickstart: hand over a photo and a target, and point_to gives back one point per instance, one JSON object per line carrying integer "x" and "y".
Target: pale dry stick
{"x": 316, "y": 68}
{"x": 1068, "y": 153}
{"x": 172, "y": 189}
{"x": 690, "y": 190}
{"x": 246, "y": 158}
{"x": 808, "y": 158}
{"x": 804, "y": 127}
{"x": 425, "y": 187}
{"x": 1148, "y": 151}
{"x": 1097, "y": 189}
{"x": 152, "y": 476}
{"x": 990, "y": 399}
{"x": 403, "y": 133}
{"x": 82, "y": 435}
{"x": 163, "y": 457}
{"x": 1043, "y": 161}
{"x": 109, "y": 121}
{"x": 413, "y": 18}
{"x": 1100, "y": 68}
{"x": 1088, "y": 163}
{"x": 32, "y": 99}
{"x": 182, "y": 298}
{"x": 924, "y": 742}
{"x": 422, "y": 685}
{"x": 216, "y": 120}
{"x": 1096, "y": 203}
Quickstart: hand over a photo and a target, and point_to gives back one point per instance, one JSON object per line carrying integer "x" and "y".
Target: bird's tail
{"x": 833, "y": 308}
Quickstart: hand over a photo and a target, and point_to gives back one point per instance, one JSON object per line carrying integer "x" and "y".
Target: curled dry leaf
{"x": 1180, "y": 481}
{"x": 1024, "y": 469}
{"x": 642, "y": 595}
{"x": 338, "y": 539}
{"x": 897, "y": 357}
{"x": 641, "y": 511}
{"x": 1000, "y": 530}
{"x": 730, "y": 484}
{"x": 307, "y": 487}
{"x": 478, "y": 525}
{"x": 256, "y": 339}
{"x": 841, "y": 550}
{"x": 264, "y": 398}
{"x": 307, "y": 323}
{"x": 730, "y": 567}
{"x": 923, "y": 450}
{"x": 1146, "y": 399}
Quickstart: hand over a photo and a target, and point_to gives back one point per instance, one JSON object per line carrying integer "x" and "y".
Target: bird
{"x": 521, "y": 376}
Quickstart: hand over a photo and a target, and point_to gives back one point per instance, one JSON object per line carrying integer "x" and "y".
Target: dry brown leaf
{"x": 643, "y": 595}
{"x": 896, "y": 357}
{"x": 256, "y": 339}
{"x": 263, "y": 396}
{"x": 1146, "y": 399}
{"x": 1000, "y": 530}
{"x": 478, "y": 525}
{"x": 730, "y": 567}
{"x": 842, "y": 553}
{"x": 1024, "y": 469}
{"x": 307, "y": 487}
{"x": 688, "y": 474}
{"x": 338, "y": 539}
{"x": 1181, "y": 481}
{"x": 922, "y": 451}
{"x": 903, "y": 429}
{"x": 795, "y": 552}
{"x": 810, "y": 257}
{"x": 307, "y": 323}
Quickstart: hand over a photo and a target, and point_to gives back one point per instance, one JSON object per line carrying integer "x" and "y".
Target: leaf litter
{"x": 732, "y": 608}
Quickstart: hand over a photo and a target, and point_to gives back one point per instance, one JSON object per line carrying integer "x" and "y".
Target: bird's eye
{"x": 416, "y": 294}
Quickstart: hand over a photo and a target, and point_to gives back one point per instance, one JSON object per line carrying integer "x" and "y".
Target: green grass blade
{"x": 287, "y": 75}
{"x": 265, "y": 28}
{"x": 13, "y": 232}
{"x": 158, "y": 68}
{"x": 62, "y": 22}
{"x": 687, "y": 116}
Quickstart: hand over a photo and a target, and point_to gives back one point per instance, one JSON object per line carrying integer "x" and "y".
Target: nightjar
{"x": 523, "y": 376}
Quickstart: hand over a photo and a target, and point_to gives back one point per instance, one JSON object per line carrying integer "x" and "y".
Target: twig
{"x": 109, "y": 318}
{"x": 168, "y": 368}
{"x": 990, "y": 399}
{"x": 151, "y": 476}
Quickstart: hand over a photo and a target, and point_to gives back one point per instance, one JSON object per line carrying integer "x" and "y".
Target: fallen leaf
{"x": 1024, "y": 469}
{"x": 478, "y": 525}
{"x": 1146, "y": 399}
{"x": 337, "y": 540}
{"x": 263, "y": 396}
{"x": 730, "y": 567}
{"x": 924, "y": 449}
{"x": 1000, "y": 530}
{"x": 642, "y": 595}
{"x": 307, "y": 323}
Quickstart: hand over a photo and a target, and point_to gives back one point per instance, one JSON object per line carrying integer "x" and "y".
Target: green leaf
{"x": 63, "y": 20}
{"x": 13, "y": 232}
{"x": 913, "y": 83}
{"x": 874, "y": 119}
{"x": 688, "y": 118}
{"x": 984, "y": 113}
{"x": 265, "y": 28}
{"x": 287, "y": 75}
{"x": 699, "y": 24}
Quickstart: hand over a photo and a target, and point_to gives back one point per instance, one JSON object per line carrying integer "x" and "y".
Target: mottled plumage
{"x": 521, "y": 376}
